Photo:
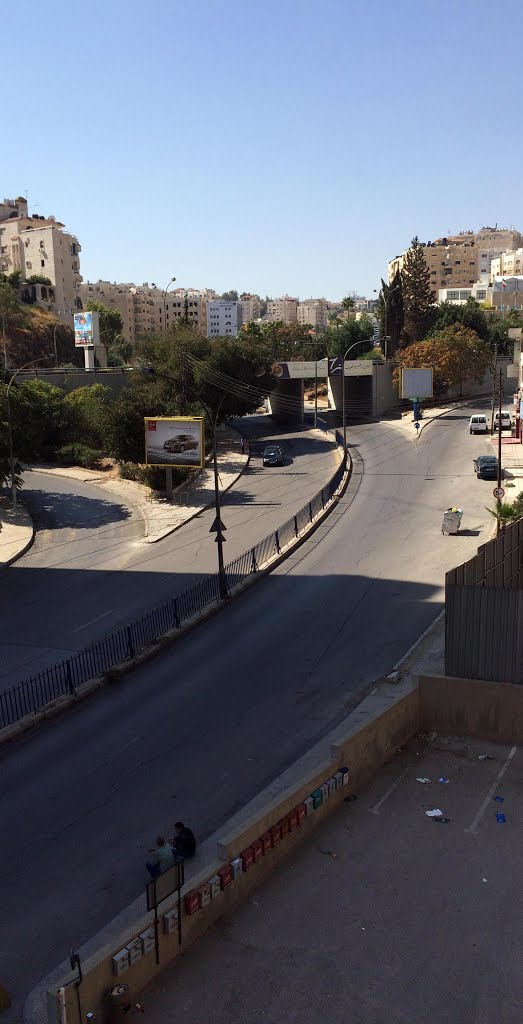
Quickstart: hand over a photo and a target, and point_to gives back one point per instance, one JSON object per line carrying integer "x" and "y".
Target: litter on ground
{"x": 499, "y": 799}
{"x": 443, "y": 821}
{"x": 444, "y": 781}
{"x": 436, "y": 813}
{"x": 501, "y": 818}
{"x": 485, "y": 757}
{"x": 423, "y": 780}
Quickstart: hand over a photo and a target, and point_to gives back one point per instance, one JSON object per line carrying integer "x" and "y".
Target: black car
{"x": 272, "y": 455}
{"x": 486, "y": 467}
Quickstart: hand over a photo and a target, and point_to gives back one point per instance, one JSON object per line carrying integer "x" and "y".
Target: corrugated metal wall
{"x": 484, "y": 608}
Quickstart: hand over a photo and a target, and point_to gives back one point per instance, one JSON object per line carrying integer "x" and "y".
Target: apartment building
{"x": 114, "y": 296}
{"x": 459, "y": 261}
{"x": 250, "y": 308}
{"x": 223, "y": 318}
{"x": 183, "y": 304}
{"x": 147, "y": 308}
{"x": 508, "y": 264}
{"x": 501, "y": 294}
{"x": 314, "y": 312}
{"x": 284, "y": 309}
{"x": 39, "y": 246}
{"x": 458, "y": 296}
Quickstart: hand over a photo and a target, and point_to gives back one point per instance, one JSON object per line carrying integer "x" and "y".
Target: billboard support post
{"x": 169, "y": 482}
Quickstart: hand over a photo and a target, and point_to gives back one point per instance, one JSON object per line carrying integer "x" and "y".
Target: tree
{"x": 456, "y": 355}
{"x": 348, "y": 303}
{"x": 391, "y": 312}
{"x": 39, "y": 279}
{"x": 231, "y": 296}
{"x": 87, "y": 412}
{"x": 110, "y": 320}
{"x": 38, "y": 419}
{"x": 470, "y": 314}
{"x": 418, "y": 296}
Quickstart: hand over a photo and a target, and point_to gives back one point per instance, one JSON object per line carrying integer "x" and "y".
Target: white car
{"x": 506, "y": 421}
{"x": 478, "y": 424}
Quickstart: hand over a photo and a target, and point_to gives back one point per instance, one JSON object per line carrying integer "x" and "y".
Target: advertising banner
{"x": 86, "y": 328}
{"x": 416, "y": 383}
{"x": 324, "y": 368}
{"x": 174, "y": 441}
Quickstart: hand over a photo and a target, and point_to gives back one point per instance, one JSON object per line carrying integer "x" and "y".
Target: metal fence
{"x": 66, "y": 676}
{"x": 484, "y": 611}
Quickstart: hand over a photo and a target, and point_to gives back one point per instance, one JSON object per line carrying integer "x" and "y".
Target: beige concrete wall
{"x": 472, "y": 707}
{"x": 363, "y": 743}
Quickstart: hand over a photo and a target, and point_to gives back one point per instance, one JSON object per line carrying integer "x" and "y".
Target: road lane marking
{"x": 376, "y": 808}
{"x": 473, "y": 829}
{"x": 90, "y": 623}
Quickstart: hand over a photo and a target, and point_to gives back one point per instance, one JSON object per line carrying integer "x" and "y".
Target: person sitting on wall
{"x": 184, "y": 843}
{"x": 163, "y": 858}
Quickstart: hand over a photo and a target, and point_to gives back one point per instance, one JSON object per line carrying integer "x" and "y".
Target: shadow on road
{"x": 53, "y": 510}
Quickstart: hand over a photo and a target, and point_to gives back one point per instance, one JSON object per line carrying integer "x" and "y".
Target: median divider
{"x": 229, "y": 865}
{"x": 55, "y": 688}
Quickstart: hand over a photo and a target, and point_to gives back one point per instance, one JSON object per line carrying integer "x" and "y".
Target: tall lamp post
{"x": 150, "y": 371}
{"x": 363, "y": 341}
{"x": 4, "y": 342}
{"x": 385, "y": 304}
{"x": 10, "y": 429}
{"x": 166, "y": 289}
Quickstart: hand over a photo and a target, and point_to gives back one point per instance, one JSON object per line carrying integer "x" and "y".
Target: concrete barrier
{"x": 472, "y": 707}
{"x": 262, "y": 835}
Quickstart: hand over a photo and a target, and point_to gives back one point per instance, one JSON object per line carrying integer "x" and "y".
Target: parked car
{"x": 273, "y": 455}
{"x": 181, "y": 443}
{"x": 486, "y": 467}
{"x": 506, "y": 420}
{"x": 478, "y": 424}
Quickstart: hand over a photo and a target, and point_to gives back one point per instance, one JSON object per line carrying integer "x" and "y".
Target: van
{"x": 506, "y": 421}
{"x": 478, "y": 424}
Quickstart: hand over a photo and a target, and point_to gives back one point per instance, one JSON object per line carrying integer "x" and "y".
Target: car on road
{"x": 478, "y": 424}
{"x": 273, "y": 455}
{"x": 486, "y": 467}
{"x": 181, "y": 443}
{"x": 506, "y": 420}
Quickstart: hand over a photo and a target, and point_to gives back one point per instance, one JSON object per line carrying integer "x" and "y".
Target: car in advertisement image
{"x": 181, "y": 443}
{"x": 174, "y": 441}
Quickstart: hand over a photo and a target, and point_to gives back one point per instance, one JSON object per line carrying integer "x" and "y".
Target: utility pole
{"x": 500, "y": 473}
{"x": 494, "y": 386}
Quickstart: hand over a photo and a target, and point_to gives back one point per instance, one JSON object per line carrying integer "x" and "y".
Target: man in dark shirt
{"x": 184, "y": 843}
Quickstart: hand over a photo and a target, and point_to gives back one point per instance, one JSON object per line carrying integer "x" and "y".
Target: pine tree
{"x": 418, "y": 296}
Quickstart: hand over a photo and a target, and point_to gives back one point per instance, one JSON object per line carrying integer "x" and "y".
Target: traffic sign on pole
{"x": 499, "y": 493}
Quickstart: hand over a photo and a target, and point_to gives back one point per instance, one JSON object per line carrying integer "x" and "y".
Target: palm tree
{"x": 348, "y": 303}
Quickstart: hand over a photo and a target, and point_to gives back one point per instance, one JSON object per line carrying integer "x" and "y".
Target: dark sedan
{"x": 486, "y": 467}
{"x": 273, "y": 455}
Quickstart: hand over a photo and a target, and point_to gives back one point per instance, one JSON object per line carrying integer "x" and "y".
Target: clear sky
{"x": 267, "y": 146}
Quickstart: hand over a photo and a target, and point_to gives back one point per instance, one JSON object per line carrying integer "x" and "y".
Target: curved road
{"x": 199, "y": 730}
{"x": 89, "y": 570}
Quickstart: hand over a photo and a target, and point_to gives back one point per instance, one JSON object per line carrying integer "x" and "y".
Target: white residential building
{"x": 38, "y": 246}
{"x": 284, "y": 309}
{"x": 508, "y": 264}
{"x": 223, "y": 318}
{"x": 314, "y": 312}
{"x": 250, "y": 308}
{"x": 458, "y": 296}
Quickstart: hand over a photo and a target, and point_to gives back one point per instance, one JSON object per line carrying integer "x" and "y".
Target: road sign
{"x": 499, "y": 493}
{"x": 217, "y": 526}
{"x": 417, "y": 425}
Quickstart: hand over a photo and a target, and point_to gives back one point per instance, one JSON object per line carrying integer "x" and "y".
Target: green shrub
{"x": 150, "y": 476}
{"x": 78, "y": 454}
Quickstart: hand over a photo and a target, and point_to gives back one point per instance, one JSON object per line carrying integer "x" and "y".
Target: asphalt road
{"x": 89, "y": 570}
{"x": 198, "y": 731}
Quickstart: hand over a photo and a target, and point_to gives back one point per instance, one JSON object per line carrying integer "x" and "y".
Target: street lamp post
{"x": 4, "y": 341}
{"x": 363, "y": 341}
{"x": 10, "y": 429}
{"x": 218, "y": 525}
{"x": 385, "y": 303}
{"x": 173, "y": 279}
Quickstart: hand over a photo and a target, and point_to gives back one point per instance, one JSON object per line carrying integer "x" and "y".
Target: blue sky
{"x": 274, "y": 147}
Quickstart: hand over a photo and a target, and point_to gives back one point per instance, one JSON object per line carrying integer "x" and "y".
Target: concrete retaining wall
{"x": 365, "y": 740}
{"x": 472, "y": 707}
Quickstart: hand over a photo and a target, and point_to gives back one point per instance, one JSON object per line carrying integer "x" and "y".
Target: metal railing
{"x": 66, "y": 676}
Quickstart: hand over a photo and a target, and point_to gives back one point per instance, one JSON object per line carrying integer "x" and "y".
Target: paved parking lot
{"x": 386, "y": 916}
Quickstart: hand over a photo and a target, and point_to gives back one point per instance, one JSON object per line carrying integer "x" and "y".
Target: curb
{"x": 26, "y": 546}
{"x": 113, "y": 675}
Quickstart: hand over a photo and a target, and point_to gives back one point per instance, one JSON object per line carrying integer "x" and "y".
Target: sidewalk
{"x": 16, "y": 534}
{"x": 161, "y": 516}
{"x": 512, "y": 465}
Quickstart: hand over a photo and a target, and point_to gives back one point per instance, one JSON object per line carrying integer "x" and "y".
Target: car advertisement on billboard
{"x": 86, "y": 328}
{"x": 174, "y": 441}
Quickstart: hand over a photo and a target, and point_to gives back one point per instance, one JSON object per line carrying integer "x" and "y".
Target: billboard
{"x": 86, "y": 328}
{"x": 416, "y": 383}
{"x": 174, "y": 441}
{"x": 297, "y": 370}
